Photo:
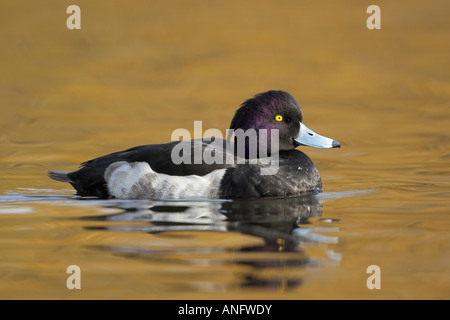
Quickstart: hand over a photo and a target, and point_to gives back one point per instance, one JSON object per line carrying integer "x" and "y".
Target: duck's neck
{"x": 251, "y": 144}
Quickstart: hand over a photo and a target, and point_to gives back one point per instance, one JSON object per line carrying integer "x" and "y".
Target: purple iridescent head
{"x": 278, "y": 110}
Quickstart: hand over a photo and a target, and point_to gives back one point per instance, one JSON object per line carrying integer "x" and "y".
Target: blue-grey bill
{"x": 307, "y": 137}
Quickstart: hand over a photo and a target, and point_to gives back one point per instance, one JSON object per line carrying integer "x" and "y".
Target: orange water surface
{"x": 136, "y": 71}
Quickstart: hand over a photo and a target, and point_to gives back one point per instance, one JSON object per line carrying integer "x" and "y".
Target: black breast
{"x": 296, "y": 174}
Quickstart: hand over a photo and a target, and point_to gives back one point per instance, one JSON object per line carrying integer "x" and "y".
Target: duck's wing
{"x": 194, "y": 157}
{"x": 179, "y": 158}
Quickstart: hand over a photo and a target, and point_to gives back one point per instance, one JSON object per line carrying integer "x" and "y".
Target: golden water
{"x": 138, "y": 70}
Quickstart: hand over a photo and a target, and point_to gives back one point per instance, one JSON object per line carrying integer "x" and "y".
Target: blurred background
{"x": 138, "y": 70}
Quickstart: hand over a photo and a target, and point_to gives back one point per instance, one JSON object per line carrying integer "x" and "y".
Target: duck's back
{"x": 89, "y": 180}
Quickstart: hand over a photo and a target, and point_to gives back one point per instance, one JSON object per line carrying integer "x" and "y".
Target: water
{"x": 133, "y": 74}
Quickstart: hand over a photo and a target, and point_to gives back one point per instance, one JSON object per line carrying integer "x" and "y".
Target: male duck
{"x": 165, "y": 171}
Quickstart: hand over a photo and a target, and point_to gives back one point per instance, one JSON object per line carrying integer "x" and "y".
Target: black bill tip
{"x": 335, "y": 144}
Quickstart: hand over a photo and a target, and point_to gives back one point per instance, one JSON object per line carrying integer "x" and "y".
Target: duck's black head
{"x": 271, "y": 110}
{"x": 278, "y": 109}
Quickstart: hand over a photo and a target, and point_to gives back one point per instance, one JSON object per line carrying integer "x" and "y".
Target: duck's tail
{"x": 60, "y": 176}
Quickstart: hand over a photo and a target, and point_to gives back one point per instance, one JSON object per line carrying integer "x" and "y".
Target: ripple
{"x": 16, "y": 210}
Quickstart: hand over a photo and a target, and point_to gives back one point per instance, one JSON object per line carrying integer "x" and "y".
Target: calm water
{"x": 134, "y": 73}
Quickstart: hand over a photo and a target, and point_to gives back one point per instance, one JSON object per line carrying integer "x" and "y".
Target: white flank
{"x": 137, "y": 180}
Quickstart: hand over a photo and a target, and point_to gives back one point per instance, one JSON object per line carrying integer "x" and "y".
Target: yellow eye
{"x": 279, "y": 118}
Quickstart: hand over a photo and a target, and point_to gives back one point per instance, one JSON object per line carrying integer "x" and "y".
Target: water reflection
{"x": 282, "y": 227}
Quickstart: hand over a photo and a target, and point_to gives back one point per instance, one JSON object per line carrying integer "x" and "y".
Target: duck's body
{"x": 152, "y": 172}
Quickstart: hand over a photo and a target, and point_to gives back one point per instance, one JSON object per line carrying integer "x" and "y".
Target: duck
{"x": 259, "y": 158}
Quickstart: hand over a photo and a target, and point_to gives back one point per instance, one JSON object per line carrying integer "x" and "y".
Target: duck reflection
{"x": 282, "y": 225}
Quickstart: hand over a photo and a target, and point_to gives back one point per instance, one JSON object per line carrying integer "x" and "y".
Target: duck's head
{"x": 279, "y": 110}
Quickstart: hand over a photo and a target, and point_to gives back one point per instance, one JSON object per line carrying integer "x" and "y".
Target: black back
{"x": 89, "y": 179}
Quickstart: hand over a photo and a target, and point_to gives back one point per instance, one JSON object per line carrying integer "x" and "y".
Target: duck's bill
{"x": 307, "y": 137}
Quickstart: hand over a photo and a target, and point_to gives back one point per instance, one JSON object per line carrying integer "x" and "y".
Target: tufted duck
{"x": 151, "y": 172}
